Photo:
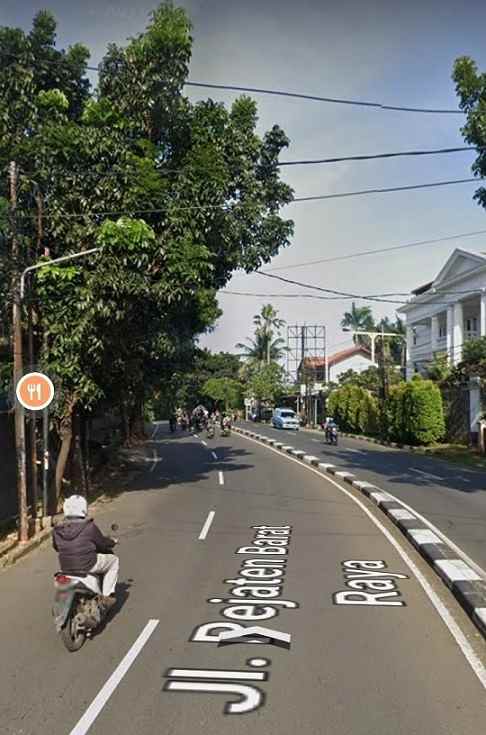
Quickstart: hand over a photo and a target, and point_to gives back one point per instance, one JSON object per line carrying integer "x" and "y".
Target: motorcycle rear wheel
{"x": 72, "y": 636}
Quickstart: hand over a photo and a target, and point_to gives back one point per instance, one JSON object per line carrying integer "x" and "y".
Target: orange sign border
{"x": 43, "y": 405}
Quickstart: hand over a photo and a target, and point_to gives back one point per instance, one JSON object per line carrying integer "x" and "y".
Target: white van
{"x": 285, "y": 418}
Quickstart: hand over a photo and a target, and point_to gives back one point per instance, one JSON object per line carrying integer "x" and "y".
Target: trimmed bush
{"x": 414, "y": 412}
{"x": 354, "y": 409}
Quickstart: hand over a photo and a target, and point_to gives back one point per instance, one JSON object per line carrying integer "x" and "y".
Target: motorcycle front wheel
{"x": 73, "y": 636}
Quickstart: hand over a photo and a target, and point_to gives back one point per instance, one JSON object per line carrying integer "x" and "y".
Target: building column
{"x": 457, "y": 332}
{"x": 449, "y": 324}
{"x": 482, "y": 315}
{"x": 409, "y": 362}
{"x": 434, "y": 333}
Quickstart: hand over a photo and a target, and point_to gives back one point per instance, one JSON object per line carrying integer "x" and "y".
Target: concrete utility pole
{"x": 18, "y": 363}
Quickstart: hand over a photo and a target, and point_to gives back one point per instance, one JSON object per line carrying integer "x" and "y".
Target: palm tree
{"x": 359, "y": 318}
{"x": 263, "y": 347}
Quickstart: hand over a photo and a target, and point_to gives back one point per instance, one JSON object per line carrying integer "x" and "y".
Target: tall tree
{"x": 359, "y": 318}
{"x": 201, "y": 186}
{"x": 471, "y": 90}
{"x": 265, "y": 347}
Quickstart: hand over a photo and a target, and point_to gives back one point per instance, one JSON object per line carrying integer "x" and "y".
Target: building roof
{"x": 337, "y": 357}
{"x": 422, "y": 289}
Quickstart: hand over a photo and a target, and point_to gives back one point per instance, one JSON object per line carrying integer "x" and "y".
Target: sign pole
{"x": 45, "y": 463}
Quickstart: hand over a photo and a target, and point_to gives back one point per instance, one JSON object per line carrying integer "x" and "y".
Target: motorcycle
{"x": 210, "y": 431}
{"x": 332, "y": 435}
{"x": 78, "y": 609}
{"x": 226, "y": 430}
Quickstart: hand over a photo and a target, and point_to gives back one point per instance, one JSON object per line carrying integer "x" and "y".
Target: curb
{"x": 465, "y": 584}
{"x": 17, "y": 551}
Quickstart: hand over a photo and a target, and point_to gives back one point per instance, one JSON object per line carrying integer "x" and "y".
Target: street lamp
{"x": 18, "y": 408}
{"x": 373, "y": 336}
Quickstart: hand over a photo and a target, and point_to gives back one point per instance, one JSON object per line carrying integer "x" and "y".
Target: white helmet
{"x": 75, "y": 506}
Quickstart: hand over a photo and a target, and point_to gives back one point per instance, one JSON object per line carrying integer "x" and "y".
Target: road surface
{"x": 451, "y": 497}
{"x": 198, "y": 527}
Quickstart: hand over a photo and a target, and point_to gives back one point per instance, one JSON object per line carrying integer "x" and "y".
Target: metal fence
{"x": 456, "y": 401}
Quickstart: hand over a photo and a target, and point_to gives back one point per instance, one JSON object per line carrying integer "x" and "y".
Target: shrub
{"x": 414, "y": 412}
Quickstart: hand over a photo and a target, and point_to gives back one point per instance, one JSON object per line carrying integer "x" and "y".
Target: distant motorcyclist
{"x": 172, "y": 422}
{"x": 331, "y": 431}
{"x": 225, "y": 425}
{"x": 82, "y": 547}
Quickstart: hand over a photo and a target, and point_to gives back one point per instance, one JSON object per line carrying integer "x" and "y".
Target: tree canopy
{"x": 177, "y": 196}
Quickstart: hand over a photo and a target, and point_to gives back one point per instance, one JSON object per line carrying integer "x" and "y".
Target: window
{"x": 442, "y": 330}
{"x": 472, "y": 324}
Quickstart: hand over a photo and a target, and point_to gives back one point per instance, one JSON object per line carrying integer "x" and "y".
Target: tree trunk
{"x": 79, "y": 484}
{"x": 125, "y": 422}
{"x": 66, "y": 440}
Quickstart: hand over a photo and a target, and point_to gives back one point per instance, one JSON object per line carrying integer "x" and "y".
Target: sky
{"x": 390, "y": 51}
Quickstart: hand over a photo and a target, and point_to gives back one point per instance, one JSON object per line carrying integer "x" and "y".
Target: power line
{"x": 375, "y": 156}
{"x": 329, "y": 290}
{"x": 284, "y": 295}
{"x": 295, "y": 95}
{"x": 382, "y": 191}
{"x": 362, "y": 253}
{"x": 332, "y": 100}
{"x": 381, "y": 298}
{"x": 297, "y": 199}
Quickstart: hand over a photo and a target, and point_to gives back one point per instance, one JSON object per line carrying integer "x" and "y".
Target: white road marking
{"x": 105, "y": 693}
{"x": 196, "y": 435}
{"x": 215, "y": 456}
{"x": 154, "y": 433}
{"x": 448, "y": 619}
{"x": 207, "y": 525}
{"x": 318, "y": 441}
{"x": 214, "y": 674}
{"x": 221, "y": 478}
{"x": 354, "y": 451}
{"x": 203, "y": 442}
{"x": 154, "y": 461}
{"x": 426, "y": 474}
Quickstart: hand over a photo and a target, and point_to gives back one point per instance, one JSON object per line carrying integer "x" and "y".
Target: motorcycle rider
{"x": 330, "y": 425}
{"x": 82, "y": 547}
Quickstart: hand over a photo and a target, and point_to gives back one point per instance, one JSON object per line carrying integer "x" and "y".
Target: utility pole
{"x": 18, "y": 362}
{"x": 34, "y": 475}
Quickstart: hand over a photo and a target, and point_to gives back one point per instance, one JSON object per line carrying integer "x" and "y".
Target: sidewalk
{"x": 109, "y": 482}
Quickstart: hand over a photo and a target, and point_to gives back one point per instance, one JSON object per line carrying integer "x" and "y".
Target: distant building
{"x": 356, "y": 357}
{"x": 447, "y": 311}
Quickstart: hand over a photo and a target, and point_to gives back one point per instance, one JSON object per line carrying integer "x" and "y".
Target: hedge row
{"x": 412, "y": 414}
{"x": 355, "y": 409}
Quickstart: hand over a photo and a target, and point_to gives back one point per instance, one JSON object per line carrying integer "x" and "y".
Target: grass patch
{"x": 457, "y": 453}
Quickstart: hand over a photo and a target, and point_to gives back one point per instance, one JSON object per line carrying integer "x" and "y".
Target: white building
{"x": 356, "y": 357}
{"x": 446, "y": 312}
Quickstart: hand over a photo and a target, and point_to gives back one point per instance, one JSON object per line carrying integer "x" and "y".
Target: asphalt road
{"x": 449, "y": 496}
{"x": 321, "y": 665}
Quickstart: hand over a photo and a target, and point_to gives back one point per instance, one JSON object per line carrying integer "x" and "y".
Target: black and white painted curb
{"x": 464, "y": 582}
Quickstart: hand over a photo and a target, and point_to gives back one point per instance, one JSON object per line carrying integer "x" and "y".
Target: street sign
{"x": 35, "y": 391}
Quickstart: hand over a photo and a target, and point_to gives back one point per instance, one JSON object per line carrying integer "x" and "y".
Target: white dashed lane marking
{"x": 207, "y": 525}
{"x": 105, "y": 693}
{"x": 221, "y": 478}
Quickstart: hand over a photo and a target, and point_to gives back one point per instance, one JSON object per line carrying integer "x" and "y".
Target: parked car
{"x": 285, "y": 418}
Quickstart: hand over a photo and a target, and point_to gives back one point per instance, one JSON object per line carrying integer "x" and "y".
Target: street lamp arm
{"x": 375, "y": 334}
{"x": 50, "y": 262}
